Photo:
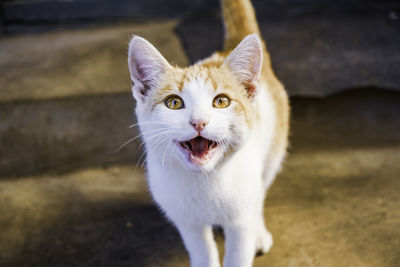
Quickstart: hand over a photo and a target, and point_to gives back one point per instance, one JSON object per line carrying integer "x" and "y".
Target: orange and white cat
{"x": 215, "y": 135}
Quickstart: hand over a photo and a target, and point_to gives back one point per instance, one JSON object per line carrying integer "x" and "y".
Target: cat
{"x": 215, "y": 136}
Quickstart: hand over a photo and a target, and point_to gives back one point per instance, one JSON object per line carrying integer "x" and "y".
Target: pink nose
{"x": 198, "y": 125}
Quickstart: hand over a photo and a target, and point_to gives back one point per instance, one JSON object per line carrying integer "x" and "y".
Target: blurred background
{"x": 70, "y": 196}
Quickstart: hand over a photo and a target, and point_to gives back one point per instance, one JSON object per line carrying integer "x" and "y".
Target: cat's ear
{"x": 146, "y": 66}
{"x": 245, "y": 61}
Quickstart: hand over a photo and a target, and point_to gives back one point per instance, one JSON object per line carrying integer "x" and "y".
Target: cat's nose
{"x": 198, "y": 125}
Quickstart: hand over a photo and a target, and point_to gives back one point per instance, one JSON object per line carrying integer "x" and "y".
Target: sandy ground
{"x": 326, "y": 208}
{"x": 336, "y": 202}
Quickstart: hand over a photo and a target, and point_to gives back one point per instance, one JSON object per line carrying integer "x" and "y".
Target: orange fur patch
{"x": 219, "y": 77}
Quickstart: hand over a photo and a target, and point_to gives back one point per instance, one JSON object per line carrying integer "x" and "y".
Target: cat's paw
{"x": 264, "y": 242}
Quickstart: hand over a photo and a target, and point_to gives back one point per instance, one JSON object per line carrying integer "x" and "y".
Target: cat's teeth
{"x": 185, "y": 145}
{"x": 213, "y": 144}
{"x": 199, "y": 149}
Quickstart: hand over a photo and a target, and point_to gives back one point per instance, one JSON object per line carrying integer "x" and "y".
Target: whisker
{"x": 145, "y": 152}
{"x": 153, "y": 136}
{"x": 136, "y": 137}
{"x": 140, "y": 158}
{"x": 148, "y": 122}
{"x": 127, "y": 142}
{"x": 170, "y": 158}
{"x": 154, "y": 148}
{"x": 165, "y": 150}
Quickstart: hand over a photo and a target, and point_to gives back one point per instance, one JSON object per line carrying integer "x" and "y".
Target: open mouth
{"x": 199, "y": 148}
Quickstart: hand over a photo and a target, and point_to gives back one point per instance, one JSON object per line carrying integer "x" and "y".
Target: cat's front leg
{"x": 264, "y": 238}
{"x": 240, "y": 245}
{"x": 200, "y": 244}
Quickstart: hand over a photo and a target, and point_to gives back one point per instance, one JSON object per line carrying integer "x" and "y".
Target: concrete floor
{"x": 326, "y": 209}
{"x": 81, "y": 62}
{"x": 336, "y": 202}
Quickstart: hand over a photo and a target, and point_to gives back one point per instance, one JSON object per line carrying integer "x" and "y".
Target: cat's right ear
{"x": 146, "y": 67}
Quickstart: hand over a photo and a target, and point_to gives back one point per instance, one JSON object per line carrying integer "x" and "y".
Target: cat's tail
{"x": 239, "y": 20}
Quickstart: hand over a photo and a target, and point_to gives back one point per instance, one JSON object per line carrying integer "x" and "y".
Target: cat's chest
{"x": 199, "y": 198}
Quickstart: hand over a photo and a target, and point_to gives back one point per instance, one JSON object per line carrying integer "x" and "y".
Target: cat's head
{"x": 197, "y": 115}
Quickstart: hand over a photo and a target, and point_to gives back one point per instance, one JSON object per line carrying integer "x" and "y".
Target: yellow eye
{"x": 174, "y": 102}
{"x": 221, "y": 101}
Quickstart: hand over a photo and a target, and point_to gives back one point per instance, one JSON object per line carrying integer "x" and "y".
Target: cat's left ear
{"x": 245, "y": 61}
{"x": 146, "y": 66}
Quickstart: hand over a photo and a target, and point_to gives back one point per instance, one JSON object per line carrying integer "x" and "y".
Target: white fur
{"x": 226, "y": 191}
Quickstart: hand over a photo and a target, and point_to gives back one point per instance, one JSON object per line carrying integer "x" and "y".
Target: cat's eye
{"x": 174, "y": 102}
{"x": 221, "y": 101}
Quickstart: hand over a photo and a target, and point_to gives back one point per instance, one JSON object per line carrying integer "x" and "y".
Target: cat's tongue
{"x": 199, "y": 146}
